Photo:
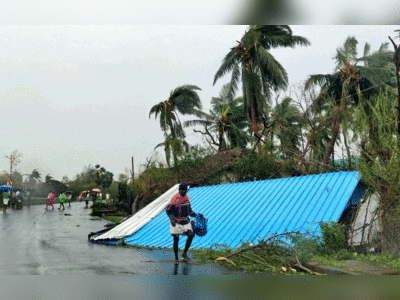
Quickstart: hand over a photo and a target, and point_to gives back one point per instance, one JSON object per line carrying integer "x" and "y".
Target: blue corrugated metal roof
{"x": 251, "y": 211}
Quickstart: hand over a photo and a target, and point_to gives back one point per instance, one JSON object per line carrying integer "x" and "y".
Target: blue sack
{"x": 199, "y": 225}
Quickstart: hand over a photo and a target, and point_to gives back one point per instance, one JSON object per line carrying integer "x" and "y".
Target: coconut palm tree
{"x": 48, "y": 178}
{"x": 34, "y": 176}
{"x": 184, "y": 99}
{"x": 174, "y": 145}
{"x": 226, "y": 118}
{"x": 349, "y": 79}
{"x": 251, "y": 62}
{"x": 286, "y": 126}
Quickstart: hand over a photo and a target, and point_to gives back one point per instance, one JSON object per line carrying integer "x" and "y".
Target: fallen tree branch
{"x": 255, "y": 246}
{"x": 301, "y": 267}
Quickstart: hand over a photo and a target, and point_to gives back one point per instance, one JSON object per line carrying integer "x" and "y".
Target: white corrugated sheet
{"x": 367, "y": 219}
{"x": 141, "y": 218}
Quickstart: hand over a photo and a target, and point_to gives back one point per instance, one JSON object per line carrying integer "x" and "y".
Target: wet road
{"x": 39, "y": 242}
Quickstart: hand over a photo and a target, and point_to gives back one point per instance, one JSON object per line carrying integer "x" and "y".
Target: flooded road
{"x": 39, "y": 242}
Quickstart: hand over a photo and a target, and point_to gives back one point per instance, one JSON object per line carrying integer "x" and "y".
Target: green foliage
{"x": 333, "y": 238}
{"x": 194, "y": 158}
{"x": 98, "y": 205}
{"x": 306, "y": 246}
{"x": 113, "y": 219}
{"x": 252, "y": 166}
{"x": 122, "y": 190}
{"x": 379, "y": 163}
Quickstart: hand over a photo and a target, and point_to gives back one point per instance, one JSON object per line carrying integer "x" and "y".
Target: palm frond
{"x": 319, "y": 80}
{"x": 156, "y": 110}
{"x": 228, "y": 63}
{"x": 271, "y": 69}
{"x": 367, "y": 49}
{"x": 234, "y": 83}
{"x": 197, "y": 122}
{"x": 185, "y": 98}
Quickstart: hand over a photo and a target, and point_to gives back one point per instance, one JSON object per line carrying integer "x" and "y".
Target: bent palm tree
{"x": 226, "y": 118}
{"x": 350, "y": 79}
{"x": 260, "y": 73}
{"x": 175, "y": 145}
{"x": 34, "y": 176}
{"x": 184, "y": 99}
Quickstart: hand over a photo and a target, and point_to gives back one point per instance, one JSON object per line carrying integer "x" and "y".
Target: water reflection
{"x": 185, "y": 269}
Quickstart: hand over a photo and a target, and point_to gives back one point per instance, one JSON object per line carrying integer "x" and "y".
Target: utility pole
{"x": 133, "y": 174}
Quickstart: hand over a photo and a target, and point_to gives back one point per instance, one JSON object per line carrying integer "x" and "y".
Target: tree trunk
{"x": 347, "y": 150}
{"x": 396, "y": 61}
{"x": 335, "y": 131}
{"x": 220, "y": 138}
{"x": 254, "y": 125}
{"x": 398, "y": 98}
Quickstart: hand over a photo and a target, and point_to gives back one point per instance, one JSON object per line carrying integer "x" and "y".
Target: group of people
{"x": 15, "y": 200}
{"x": 62, "y": 197}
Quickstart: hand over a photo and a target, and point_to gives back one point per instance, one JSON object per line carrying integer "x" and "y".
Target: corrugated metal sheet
{"x": 139, "y": 219}
{"x": 251, "y": 211}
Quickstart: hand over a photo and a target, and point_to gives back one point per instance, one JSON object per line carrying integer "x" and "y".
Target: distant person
{"x": 6, "y": 199}
{"x": 1, "y": 199}
{"x": 107, "y": 197}
{"x": 62, "y": 199}
{"x": 87, "y": 199}
{"x": 80, "y": 197}
{"x": 178, "y": 211}
{"x": 69, "y": 198}
{"x": 19, "y": 199}
{"x": 50, "y": 200}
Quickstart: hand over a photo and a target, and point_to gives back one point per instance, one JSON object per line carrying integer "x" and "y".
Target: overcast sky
{"x": 78, "y": 95}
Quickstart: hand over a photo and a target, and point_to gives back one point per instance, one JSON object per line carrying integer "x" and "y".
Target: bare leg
{"x": 188, "y": 243}
{"x": 176, "y": 241}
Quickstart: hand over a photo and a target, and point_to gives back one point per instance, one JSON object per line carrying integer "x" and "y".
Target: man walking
{"x": 62, "y": 199}
{"x": 178, "y": 211}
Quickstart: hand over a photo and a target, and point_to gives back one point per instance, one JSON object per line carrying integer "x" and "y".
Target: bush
{"x": 333, "y": 238}
{"x": 305, "y": 246}
{"x": 98, "y": 205}
{"x": 252, "y": 166}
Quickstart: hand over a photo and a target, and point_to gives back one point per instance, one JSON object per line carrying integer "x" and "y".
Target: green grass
{"x": 114, "y": 219}
{"x": 386, "y": 261}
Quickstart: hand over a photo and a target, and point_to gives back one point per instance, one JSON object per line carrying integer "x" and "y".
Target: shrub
{"x": 305, "y": 246}
{"x": 333, "y": 238}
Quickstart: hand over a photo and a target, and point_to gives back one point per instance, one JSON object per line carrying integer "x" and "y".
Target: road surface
{"x": 39, "y": 242}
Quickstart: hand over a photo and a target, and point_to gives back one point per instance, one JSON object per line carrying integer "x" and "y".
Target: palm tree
{"x": 48, "y": 178}
{"x": 349, "y": 79}
{"x": 174, "y": 145}
{"x": 251, "y": 61}
{"x": 286, "y": 126}
{"x": 34, "y": 176}
{"x": 184, "y": 99}
{"x": 226, "y": 118}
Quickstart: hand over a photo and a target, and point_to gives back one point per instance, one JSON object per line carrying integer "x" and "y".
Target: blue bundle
{"x": 199, "y": 225}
